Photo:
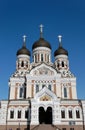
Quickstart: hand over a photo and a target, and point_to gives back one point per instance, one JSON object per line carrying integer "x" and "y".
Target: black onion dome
{"x": 61, "y": 51}
{"x": 41, "y": 43}
{"x": 23, "y": 51}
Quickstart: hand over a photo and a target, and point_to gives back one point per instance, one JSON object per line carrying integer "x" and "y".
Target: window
{"x": 22, "y": 64}
{"x": 26, "y": 114}
{"x": 62, "y": 64}
{"x": 65, "y": 92}
{"x": 63, "y": 128}
{"x": 58, "y": 65}
{"x": 27, "y": 64}
{"x": 35, "y": 58}
{"x": 71, "y": 128}
{"x": 12, "y": 114}
{"x": 70, "y": 113}
{"x": 71, "y": 122}
{"x": 41, "y": 57}
{"x": 37, "y": 88}
{"x": 21, "y": 92}
{"x": 77, "y": 114}
{"x": 19, "y": 113}
{"x": 49, "y": 86}
{"x": 47, "y": 58}
{"x": 43, "y": 85}
{"x": 24, "y": 91}
{"x": 63, "y": 113}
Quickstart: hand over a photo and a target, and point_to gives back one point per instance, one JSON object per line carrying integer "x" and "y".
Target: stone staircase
{"x": 44, "y": 127}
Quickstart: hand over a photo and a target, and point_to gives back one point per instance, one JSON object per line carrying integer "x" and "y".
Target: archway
{"x": 45, "y": 116}
{"x": 41, "y": 115}
{"x": 48, "y": 119}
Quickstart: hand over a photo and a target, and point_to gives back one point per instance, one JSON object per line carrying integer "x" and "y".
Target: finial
{"x": 60, "y": 40}
{"x": 41, "y": 30}
{"x": 24, "y": 38}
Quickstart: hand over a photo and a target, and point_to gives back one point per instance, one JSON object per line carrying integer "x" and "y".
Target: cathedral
{"x": 42, "y": 93}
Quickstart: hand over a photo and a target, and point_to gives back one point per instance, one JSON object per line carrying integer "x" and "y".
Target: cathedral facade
{"x": 42, "y": 93}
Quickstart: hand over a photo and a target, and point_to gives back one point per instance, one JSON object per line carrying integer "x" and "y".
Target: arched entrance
{"x": 41, "y": 115}
{"x": 45, "y": 116}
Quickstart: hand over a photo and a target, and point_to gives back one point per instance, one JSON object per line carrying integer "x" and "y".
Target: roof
{"x": 23, "y": 51}
{"x": 41, "y": 43}
{"x": 60, "y": 51}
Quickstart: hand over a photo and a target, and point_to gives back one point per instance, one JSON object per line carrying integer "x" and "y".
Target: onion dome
{"x": 60, "y": 50}
{"x": 23, "y": 50}
{"x": 41, "y": 42}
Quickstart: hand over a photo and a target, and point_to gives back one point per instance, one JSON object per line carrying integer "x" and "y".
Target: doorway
{"x": 45, "y": 116}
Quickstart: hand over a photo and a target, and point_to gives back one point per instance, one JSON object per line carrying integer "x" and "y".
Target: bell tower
{"x": 61, "y": 57}
{"x": 23, "y": 58}
{"x": 68, "y": 80}
{"x": 17, "y": 82}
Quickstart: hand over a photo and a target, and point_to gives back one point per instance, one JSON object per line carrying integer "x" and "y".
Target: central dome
{"x": 41, "y": 43}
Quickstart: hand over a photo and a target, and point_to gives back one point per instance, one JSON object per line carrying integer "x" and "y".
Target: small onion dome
{"x": 61, "y": 51}
{"x": 41, "y": 43}
{"x": 23, "y": 51}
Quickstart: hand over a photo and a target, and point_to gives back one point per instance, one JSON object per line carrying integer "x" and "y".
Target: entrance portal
{"x": 45, "y": 116}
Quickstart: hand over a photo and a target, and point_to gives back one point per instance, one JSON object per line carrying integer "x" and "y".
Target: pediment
{"x": 45, "y": 95}
{"x": 43, "y": 69}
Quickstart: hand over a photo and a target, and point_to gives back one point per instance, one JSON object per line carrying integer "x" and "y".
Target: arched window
{"x": 48, "y": 58}
{"x": 26, "y": 114}
{"x": 21, "y": 94}
{"x": 11, "y": 114}
{"x": 70, "y": 115}
{"x": 35, "y": 58}
{"x": 27, "y": 64}
{"x": 42, "y": 57}
{"x": 22, "y": 64}
{"x": 62, "y": 64}
{"x": 62, "y": 113}
{"x": 65, "y": 92}
{"x": 19, "y": 114}
{"x": 24, "y": 91}
{"x": 77, "y": 114}
{"x": 58, "y": 65}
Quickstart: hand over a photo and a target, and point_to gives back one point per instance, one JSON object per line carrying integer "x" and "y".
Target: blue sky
{"x": 19, "y": 17}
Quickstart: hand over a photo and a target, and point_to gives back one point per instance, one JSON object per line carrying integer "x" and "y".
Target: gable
{"x": 45, "y": 95}
{"x": 43, "y": 69}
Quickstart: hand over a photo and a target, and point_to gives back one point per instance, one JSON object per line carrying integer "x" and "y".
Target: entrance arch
{"x": 49, "y": 115}
{"x": 45, "y": 116}
{"x": 41, "y": 115}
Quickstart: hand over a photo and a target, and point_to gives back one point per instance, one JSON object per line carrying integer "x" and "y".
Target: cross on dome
{"x": 41, "y": 30}
{"x": 60, "y": 38}
{"x": 24, "y": 38}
